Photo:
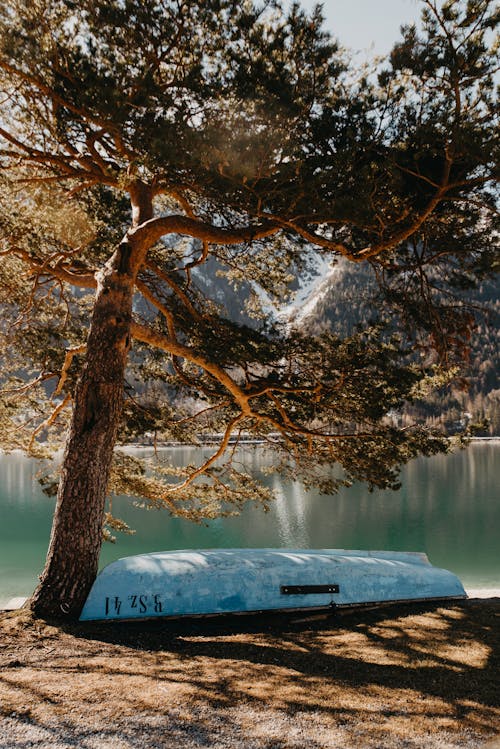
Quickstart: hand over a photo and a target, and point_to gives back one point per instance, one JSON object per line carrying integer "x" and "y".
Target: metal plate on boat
{"x": 302, "y": 590}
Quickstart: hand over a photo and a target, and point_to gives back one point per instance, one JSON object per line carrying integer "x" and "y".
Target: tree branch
{"x": 174, "y": 347}
{"x": 48, "y": 422}
{"x": 151, "y": 231}
{"x": 57, "y": 98}
{"x": 81, "y": 280}
{"x": 241, "y": 398}
{"x": 217, "y": 454}
{"x": 180, "y": 294}
{"x": 70, "y": 354}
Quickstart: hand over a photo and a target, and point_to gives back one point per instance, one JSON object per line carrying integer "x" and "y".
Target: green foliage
{"x": 243, "y": 126}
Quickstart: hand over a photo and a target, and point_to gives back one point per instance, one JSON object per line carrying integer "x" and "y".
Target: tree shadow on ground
{"x": 398, "y": 672}
{"x": 448, "y": 651}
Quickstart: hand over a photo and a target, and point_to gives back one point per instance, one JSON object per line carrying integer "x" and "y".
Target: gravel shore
{"x": 402, "y": 677}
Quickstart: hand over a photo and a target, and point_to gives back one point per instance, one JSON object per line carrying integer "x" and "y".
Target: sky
{"x": 367, "y": 25}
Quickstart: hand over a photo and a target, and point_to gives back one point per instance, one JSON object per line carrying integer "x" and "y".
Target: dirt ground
{"x": 392, "y": 678}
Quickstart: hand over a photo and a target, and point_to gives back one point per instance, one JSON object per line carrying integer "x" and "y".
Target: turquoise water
{"x": 448, "y": 507}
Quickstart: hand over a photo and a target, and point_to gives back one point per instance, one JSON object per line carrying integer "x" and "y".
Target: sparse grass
{"x": 396, "y": 677}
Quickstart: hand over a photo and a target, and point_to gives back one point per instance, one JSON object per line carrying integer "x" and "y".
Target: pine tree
{"x": 141, "y": 141}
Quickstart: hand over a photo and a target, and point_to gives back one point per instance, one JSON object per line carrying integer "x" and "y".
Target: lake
{"x": 448, "y": 507}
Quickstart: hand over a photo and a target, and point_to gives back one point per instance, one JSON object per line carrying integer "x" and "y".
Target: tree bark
{"x": 76, "y": 538}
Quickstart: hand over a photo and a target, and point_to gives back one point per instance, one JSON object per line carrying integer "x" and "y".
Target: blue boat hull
{"x": 223, "y": 581}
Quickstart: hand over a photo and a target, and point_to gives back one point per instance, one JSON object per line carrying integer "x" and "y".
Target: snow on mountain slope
{"x": 312, "y": 287}
{"x": 312, "y": 292}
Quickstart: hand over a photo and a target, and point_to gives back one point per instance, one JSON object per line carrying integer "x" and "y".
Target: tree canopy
{"x": 142, "y": 142}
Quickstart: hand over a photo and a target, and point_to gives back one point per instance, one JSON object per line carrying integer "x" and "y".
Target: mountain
{"x": 341, "y": 296}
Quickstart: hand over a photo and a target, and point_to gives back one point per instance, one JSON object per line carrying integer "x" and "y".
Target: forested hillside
{"x": 347, "y": 296}
{"x": 346, "y": 299}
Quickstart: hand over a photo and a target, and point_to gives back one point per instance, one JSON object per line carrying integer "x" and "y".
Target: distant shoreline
{"x": 485, "y": 592}
{"x": 244, "y": 443}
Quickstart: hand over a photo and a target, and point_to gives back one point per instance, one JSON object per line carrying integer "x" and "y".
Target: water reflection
{"x": 448, "y": 507}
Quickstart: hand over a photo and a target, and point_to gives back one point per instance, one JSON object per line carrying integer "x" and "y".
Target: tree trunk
{"x": 76, "y": 538}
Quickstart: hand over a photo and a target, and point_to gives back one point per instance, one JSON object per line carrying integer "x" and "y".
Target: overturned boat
{"x": 225, "y": 581}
